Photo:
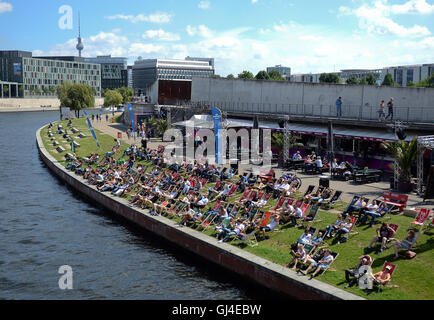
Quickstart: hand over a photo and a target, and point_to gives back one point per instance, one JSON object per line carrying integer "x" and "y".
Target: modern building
{"x": 305, "y": 77}
{"x": 359, "y": 74}
{"x": 147, "y": 71}
{"x": 284, "y": 71}
{"x": 41, "y": 75}
{"x": 130, "y": 77}
{"x": 404, "y": 74}
{"x": 114, "y": 73}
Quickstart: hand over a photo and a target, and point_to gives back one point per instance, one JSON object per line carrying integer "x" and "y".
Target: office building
{"x": 402, "y": 75}
{"x": 147, "y": 71}
{"x": 114, "y": 73}
{"x": 42, "y": 75}
{"x": 284, "y": 71}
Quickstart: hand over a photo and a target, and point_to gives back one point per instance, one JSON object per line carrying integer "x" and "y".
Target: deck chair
{"x": 266, "y": 219}
{"x": 280, "y": 203}
{"x": 392, "y": 271}
{"x": 249, "y": 239}
{"x": 309, "y": 190}
{"x": 422, "y": 217}
{"x": 232, "y": 191}
{"x": 310, "y": 218}
{"x": 267, "y": 177}
{"x": 245, "y": 195}
{"x": 327, "y": 205}
{"x": 335, "y": 256}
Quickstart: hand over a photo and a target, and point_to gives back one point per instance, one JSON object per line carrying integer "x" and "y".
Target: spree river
{"x": 45, "y": 225}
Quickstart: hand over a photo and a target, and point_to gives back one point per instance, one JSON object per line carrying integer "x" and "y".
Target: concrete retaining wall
{"x": 247, "y": 265}
{"x": 313, "y": 99}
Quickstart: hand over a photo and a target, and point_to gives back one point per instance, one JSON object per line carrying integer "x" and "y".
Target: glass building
{"x": 42, "y": 75}
{"x": 114, "y": 73}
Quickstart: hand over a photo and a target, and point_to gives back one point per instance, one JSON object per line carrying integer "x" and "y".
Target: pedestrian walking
{"x": 390, "y": 107}
{"x": 106, "y": 118}
{"x": 93, "y": 117}
{"x": 339, "y": 107}
{"x": 381, "y": 114}
{"x": 128, "y": 133}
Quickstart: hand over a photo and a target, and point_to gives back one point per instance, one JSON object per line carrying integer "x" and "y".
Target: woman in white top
{"x": 300, "y": 255}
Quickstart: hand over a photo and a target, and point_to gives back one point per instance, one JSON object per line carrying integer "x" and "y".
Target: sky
{"x": 305, "y": 35}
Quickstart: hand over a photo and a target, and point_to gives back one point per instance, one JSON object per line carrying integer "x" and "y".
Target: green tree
{"x": 76, "y": 96}
{"x": 371, "y": 80}
{"x": 262, "y": 75}
{"x": 46, "y": 91}
{"x": 329, "y": 78}
{"x": 5, "y": 90}
{"x": 246, "y": 75}
{"x": 126, "y": 93}
{"x": 53, "y": 90}
{"x": 363, "y": 81}
{"x": 276, "y": 76}
{"x": 215, "y": 76}
{"x": 38, "y": 91}
{"x": 426, "y": 83}
{"x": 230, "y": 76}
{"x": 112, "y": 98}
{"x": 162, "y": 125}
{"x": 352, "y": 80}
{"x": 388, "y": 81}
{"x": 411, "y": 84}
{"x": 405, "y": 153}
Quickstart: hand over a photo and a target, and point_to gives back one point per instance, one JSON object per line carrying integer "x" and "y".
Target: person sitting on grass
{"x": 271, "y": 226}
{"x": 405, "y": 244}
{"x": 300, "y": 255}
{"x": 383, "y": 236}
{"x": 323, "y": 264}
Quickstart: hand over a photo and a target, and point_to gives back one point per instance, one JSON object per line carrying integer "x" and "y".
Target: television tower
{"x": 80, "y": 45}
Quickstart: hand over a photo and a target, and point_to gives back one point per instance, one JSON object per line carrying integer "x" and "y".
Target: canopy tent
{"x": 206, "y": 122}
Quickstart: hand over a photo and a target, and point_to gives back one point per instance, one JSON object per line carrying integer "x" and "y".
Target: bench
{"x": 396, "y": 200}
{"x": 370, "y": 175}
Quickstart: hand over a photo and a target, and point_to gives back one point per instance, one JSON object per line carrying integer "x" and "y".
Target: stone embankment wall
{"x": 36, "y": 103}
{"x": 246, "y": 265}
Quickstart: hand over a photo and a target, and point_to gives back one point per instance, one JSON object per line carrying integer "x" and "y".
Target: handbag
{"x": 410, "y": 254}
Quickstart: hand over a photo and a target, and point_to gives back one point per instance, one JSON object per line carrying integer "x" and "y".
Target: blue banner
{"x": 132, "y": 120}
{"x": 218, "y": 124}
{"x": 91, "y": 129}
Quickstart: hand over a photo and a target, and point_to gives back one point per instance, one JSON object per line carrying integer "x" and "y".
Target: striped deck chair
{"x": 280, "y": 203}
{"x": 422, "y": 218}
{"x": 209, "y": 219}
{"x": 245, "y": 196}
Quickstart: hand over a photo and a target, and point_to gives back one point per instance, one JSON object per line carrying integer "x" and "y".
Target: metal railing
{"x": 350, "y": 112}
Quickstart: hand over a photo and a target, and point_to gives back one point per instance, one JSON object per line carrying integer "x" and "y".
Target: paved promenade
{"x": 371, "y": 190}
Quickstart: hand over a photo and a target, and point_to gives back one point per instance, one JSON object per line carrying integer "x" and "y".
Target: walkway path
{"x": 371, "y": 190}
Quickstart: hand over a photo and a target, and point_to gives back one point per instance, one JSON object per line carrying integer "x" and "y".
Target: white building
{"x": 284, "y": 71}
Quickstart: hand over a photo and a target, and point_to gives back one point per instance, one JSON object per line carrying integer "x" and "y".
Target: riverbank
{"x": 9, "y": 105}
{"x": 413, "y": 280}
{"x": 247, "y": 265}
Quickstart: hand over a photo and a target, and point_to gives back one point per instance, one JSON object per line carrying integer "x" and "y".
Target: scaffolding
{"x": 425, "y": 142}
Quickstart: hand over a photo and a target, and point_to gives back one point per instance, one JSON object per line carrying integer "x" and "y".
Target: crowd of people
{"x": 180, "y": 190}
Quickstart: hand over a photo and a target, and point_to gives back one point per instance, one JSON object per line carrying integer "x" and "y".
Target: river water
{"x": 45, "y": 225}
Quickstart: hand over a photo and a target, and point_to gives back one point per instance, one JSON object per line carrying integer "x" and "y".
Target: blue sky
{"x": 308, "y": 36}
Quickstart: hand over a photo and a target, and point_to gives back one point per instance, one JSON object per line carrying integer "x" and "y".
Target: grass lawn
{"x": 413, "y": 279}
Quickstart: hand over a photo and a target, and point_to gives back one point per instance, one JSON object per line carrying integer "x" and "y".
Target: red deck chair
{"x": 422, "y": 217}
{"x": 392, "y": 271}
{"x": 267, "y": 177}
{"x": 299, "y": 204}
{"x": 232, "y": 190}
{"x": 245, "y": 196}
{"x": 261, "y": 195}
{"x": 280, "y": 203}
{"x": 291, "y": 201}
{"x": 217, "y": 185}
{"x": 266, "y": 219}
{"x": 252, "y": 195}
{"x": 267, "y": 196}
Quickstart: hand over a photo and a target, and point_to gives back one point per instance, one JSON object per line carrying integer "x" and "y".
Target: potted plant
{"x": 278, "y": 139}
{"x": 405, "y": 154}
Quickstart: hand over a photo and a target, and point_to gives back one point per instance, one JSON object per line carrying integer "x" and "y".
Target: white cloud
{"x": 204, "y": 5}
{"x": 5, "y": 7}
{"x": 375, "y": 19}
{"x": 201, "y": 30}
{"x": 413, "y": 7}
{"x": 159, "y": 17}
{"x": 254, "y": 1}
{"x": 160, "y": 35}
